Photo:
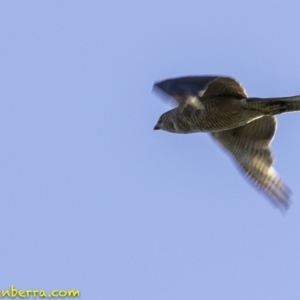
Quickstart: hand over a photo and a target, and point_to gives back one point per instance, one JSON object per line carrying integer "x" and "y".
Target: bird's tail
{"x": 274, "y": 106}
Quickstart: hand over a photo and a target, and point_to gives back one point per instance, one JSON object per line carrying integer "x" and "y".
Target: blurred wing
{"x": 184, "y": 89}
{"x": 190, "y": 90}
{"x": 250, "y": 146}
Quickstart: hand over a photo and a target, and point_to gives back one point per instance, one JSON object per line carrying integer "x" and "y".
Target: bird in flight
{"x": 244, "y": 126}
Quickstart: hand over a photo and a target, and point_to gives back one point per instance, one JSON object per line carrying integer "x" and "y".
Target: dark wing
{"x": 185, "y": 89}
{"x": 224, "y": 86}
{"x": 250, "y": 146}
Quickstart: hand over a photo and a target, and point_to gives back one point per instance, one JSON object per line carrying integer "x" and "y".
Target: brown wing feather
{"x": 250, "y": 146}
{"x": 224, "y": 86}
{"x": 183, "y": 88}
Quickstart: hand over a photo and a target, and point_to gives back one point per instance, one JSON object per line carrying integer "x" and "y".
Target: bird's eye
{"x": 163, "y": 116}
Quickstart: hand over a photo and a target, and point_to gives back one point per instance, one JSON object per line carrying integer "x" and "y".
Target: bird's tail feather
{"x": 274, "y": 106}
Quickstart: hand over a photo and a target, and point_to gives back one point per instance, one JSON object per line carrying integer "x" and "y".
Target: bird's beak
{"x": 156, "y": 127}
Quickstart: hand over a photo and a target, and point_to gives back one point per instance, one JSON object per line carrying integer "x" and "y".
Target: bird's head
{"x": 165, "y": 122}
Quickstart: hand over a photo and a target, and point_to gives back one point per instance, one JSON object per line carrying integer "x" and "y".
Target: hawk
{"x": 244, "y": 126}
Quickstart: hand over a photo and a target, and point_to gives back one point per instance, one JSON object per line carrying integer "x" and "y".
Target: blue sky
{"x": 93, "y": 199}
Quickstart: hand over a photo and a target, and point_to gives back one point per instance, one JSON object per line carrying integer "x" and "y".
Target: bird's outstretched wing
{"x": 183, "y": 89}
{"x": 224, "y": 86}
{"x": 250, "y": 146}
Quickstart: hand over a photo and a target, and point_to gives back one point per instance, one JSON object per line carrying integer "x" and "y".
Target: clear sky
{"x": 93, "y": 199}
